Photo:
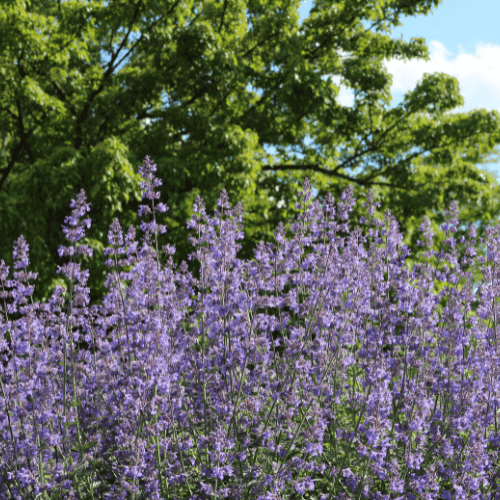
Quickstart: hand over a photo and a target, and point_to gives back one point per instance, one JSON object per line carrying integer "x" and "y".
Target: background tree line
{"x": 68, "y": 121}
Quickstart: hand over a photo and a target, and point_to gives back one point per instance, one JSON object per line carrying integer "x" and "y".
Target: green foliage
{"x": 68, "y": 121}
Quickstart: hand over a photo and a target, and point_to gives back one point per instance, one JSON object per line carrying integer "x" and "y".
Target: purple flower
{"x": 324, "y": 364}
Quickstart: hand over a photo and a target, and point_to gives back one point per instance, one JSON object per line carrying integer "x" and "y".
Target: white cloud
{"x": 478, "y": 75}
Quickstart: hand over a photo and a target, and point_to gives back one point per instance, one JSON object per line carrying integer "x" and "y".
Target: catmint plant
{"x": 324, "y": 368}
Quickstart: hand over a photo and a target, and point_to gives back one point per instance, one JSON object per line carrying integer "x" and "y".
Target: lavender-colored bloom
{"x": 323, "y": 365}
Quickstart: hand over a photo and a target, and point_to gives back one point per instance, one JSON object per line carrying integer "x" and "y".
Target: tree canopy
{"x": 70, "y": 121}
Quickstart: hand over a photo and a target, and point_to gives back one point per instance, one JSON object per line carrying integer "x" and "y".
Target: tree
{"x": 68, "y": 121}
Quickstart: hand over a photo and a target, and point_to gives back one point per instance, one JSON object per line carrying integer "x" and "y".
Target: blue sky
{"x": 463, "y": 40}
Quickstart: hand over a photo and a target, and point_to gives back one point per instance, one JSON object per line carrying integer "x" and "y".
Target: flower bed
{"x": 321, "y": 369}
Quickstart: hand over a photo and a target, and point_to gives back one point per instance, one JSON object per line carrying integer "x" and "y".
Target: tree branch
{"x": 316, "y": 168}
{"x": 222, "y": 16}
